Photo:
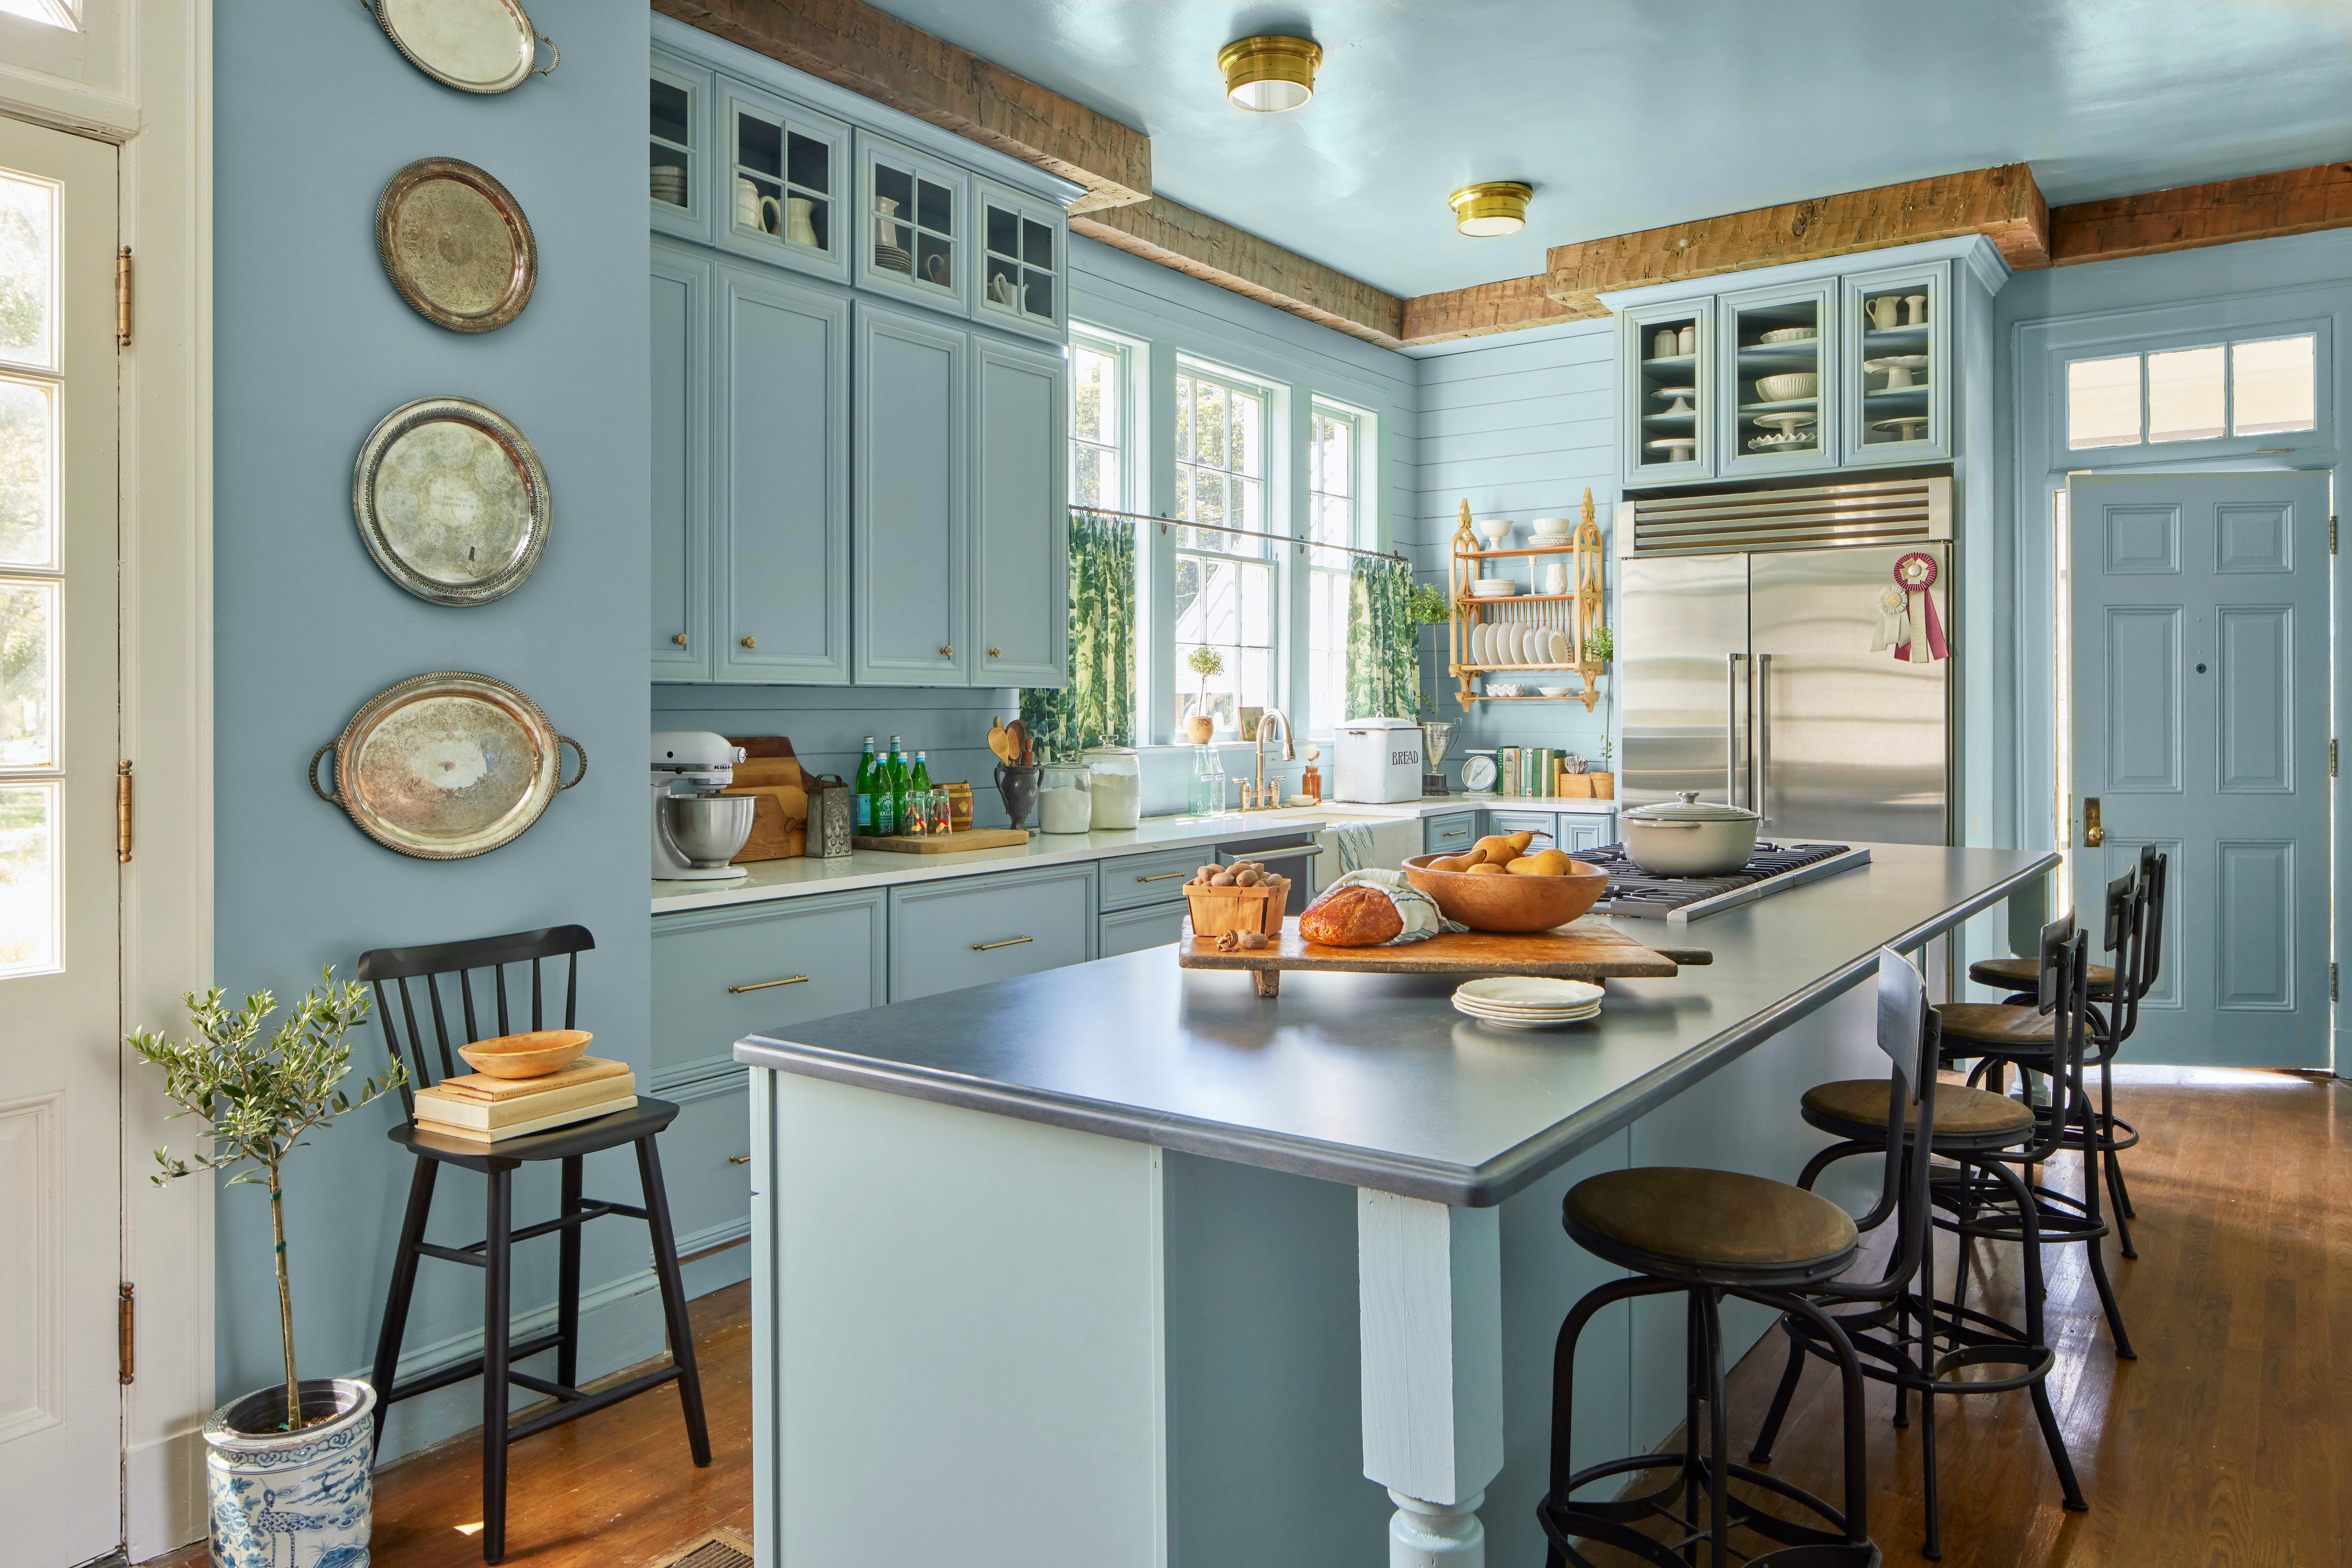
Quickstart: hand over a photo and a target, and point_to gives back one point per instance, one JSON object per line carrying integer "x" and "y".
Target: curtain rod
{"x": 1168, "y": 523}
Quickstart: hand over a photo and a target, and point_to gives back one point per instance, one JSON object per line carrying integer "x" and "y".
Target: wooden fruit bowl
{"x": 1217, "y": 910}
{"x": 532, "y": 1055}
{"x": 1507, "y": 902}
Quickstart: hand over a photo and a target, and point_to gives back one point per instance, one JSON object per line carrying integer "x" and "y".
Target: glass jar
{"x": 1115, "y": 778}
{"x": 1207, "y": 798}
{"x": 1065, "y": 805}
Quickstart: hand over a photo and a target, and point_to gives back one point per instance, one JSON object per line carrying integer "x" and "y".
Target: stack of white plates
{"x": 1522, "y": 1001}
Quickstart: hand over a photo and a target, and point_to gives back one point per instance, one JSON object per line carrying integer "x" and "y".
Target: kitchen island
{"x": 1118, "y": 1264}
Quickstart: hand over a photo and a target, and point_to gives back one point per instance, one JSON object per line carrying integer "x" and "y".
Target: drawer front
{"x": 1132, "y": 881}
{"x": 1449, "y": 834}
{"x": 1542, "y": 823}
{"x": 946, "y": 936}
{"x": 714, "y": 969}
{"x": 1132, "y": 930}
{"x": 709, "y": 1193}
{"x": 1587, "y": 832}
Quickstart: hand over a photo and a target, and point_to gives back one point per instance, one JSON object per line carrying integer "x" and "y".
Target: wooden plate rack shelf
{"x": 1577, "y": 613}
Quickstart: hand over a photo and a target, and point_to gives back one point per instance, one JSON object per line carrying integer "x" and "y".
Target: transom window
{"x": 1333, "y": 519}
{"x": 2261, "y": 386}
{"x": 1224, "y": 580}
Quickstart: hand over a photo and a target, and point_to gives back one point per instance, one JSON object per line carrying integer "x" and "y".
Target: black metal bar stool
{"x": 2114, "y": 1134}
{"x": 1713, "y": 1234}
{"x": 1909, "y": 1338}
{"x": 494, "y": 1254}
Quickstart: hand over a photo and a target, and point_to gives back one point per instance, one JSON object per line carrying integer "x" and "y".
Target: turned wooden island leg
{"x": 1430, "y": 1297}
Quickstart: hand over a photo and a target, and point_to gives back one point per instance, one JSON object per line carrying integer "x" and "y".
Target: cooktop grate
{"x": 1777, "y": 867}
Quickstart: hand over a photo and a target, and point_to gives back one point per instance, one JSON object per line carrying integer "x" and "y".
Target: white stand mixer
{"x": 697, "y": 833}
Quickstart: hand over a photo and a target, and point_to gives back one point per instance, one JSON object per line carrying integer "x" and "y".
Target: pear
{"x": 1497, "y": 847}
{"x": 1451, "y": 863}
{"x": 1488, "y": 868}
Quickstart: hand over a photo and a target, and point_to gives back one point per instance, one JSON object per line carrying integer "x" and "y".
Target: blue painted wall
{"x": 315, "y": 111}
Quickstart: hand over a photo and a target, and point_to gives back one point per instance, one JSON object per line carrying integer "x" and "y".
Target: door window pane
{"x": 29, "y": 886}
{"x": 27, "y": 497}
{"x": 1222, "y": 603}
{"x": 2184, "y": 394}
{"x": 27, "y": 282}
{"x": 28, "y": 673}
{"x": 2273, "y": 386}
{"x": 2103, "y": 403}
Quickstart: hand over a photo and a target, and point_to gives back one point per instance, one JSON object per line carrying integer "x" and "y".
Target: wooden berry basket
{"x": 1217, "y": 910}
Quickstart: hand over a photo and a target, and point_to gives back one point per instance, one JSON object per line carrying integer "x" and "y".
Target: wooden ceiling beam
{"x": 2003, "y": 205}
{"x": 1214, "y": 251}
{"x": 2259, "y": 206}
{"x": 874, "y": 54}
{"x": 1485, "y": 308}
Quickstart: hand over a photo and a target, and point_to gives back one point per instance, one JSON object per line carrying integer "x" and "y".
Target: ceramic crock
{"x": 292, "y": 1499}
{"x": 1690, "y": 837}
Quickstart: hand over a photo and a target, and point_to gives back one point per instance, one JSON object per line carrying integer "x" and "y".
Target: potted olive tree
{"x": 1208, "y": 664}
{"x": 288, "y": 1466}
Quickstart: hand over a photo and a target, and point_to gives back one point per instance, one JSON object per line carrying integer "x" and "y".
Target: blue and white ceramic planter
{"x": 293, "y": 1500}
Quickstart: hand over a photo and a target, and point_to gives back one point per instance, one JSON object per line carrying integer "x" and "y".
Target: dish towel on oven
{"x": 1355, "y": 845}
{"x": 1419, "y": 911}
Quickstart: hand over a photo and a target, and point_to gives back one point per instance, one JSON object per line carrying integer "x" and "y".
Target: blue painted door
{"x": 913, "y": 535}
{"x": 1020, "y": 531}
{"x": 2201, "y": 682}
{"x": 680, "y": 566}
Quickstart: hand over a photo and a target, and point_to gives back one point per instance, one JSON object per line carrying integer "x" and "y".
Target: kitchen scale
{"x": 1639, "y": 894}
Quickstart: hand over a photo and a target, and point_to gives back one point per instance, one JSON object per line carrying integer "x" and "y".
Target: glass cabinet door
{"x": 914, "y": 225}
{"x": 1666, "y": 350}
{"x": 678, "y": 147}
{"x": 788, "y": 172}
{"x": 1897, "y": 365}
{"x": 1021, "y": 263}
{"x": 1778, "y": 381}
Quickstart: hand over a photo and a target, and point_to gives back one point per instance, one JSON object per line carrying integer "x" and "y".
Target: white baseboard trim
{"x": 166, "y": 1494}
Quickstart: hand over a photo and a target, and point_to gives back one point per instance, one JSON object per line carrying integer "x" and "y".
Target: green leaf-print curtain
{"x": 1384, "y": 663}
{"x": 1098, "y": 707}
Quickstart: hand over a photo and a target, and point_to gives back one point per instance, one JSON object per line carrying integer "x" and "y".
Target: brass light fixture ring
{"x": 1491, "y": 201}
{"x": 1272, "y": 57}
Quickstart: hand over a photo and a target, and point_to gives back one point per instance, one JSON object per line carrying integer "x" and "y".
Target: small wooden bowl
{"x": 1507, "y": 902}
{"x": 532, "y": 1055}
{"x": 1217, "y": 910}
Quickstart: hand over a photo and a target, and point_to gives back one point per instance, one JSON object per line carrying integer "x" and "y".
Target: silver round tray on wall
{"x": 447, "y": 765}
{"x": 451, "y": 500}
{"x": 474, "y": 46}
{"x": 456, "y": 245}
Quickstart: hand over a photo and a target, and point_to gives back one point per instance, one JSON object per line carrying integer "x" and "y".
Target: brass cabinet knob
{"x": 946, "y": 652}
{"x": 751, "y": 641}
{"x": 996, "y": 652}
{"x": 679, "y": 638}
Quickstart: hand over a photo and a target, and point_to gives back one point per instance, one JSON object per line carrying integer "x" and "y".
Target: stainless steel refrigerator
{"x": 1750, "y": 677}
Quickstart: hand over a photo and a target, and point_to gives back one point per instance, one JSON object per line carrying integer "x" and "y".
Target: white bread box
{"x": 1377, "y": 761}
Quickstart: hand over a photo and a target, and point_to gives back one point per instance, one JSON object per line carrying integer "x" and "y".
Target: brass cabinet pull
{"x": 763, "y": 985}
{"x": 1454, "y": 833}
{"x": 946, "y": 651}
{"x": 2094, "y": 835}
{"x": 996, "y": 652}
{"x": 1008, "y": 942}
{"x": 1163, "y": 876}
{"x": 751, "y": 641}
{"x": 738, "y": 1159}
{"x": 679, "y": 638}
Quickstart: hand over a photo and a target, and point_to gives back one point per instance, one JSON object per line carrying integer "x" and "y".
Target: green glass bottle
{"x": 918, "y": 781}
{"x": 894, "y": 789}
{"x": 867, "y": 787}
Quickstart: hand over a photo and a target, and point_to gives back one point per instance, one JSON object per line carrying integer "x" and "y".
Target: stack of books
{"x": 488, "y": 1110}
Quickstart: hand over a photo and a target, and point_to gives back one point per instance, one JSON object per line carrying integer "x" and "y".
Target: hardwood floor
{"x": 2226, "y": 1443}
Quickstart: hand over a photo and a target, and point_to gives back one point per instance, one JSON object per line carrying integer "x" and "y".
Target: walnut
{"x": 1229, "y": 941}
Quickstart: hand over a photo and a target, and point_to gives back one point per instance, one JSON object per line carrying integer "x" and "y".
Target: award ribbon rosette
{"x": 1915, "y": 574}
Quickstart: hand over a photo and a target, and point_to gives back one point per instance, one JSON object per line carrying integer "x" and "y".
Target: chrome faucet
{"x": 1289, "y": 754}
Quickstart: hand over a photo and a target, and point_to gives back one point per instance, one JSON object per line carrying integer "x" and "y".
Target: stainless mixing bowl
{"x": 708, "y": 830}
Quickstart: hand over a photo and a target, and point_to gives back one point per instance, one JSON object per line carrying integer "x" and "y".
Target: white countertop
{"x": 881, "y": 868}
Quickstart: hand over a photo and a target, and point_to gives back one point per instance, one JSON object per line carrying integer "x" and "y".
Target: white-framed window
{"x": 1335, "y": 516}
{"x": 1100, "y": 468}
{"x": 1225, "y": 583}
{"x": 2203, "y": 392}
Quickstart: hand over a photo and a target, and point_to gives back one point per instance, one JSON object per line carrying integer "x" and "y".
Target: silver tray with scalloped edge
{"x": 451, "y": 500}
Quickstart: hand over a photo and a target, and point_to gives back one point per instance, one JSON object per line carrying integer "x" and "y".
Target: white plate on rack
{"x": 1482, "y": 645}
{"x": 1791, "y": 335}
{"x": 1688, "y": 443}
{"x": 1562, "y": 651}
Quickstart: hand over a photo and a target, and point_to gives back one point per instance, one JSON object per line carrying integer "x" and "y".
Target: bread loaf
{"x": 1351, "y": 917}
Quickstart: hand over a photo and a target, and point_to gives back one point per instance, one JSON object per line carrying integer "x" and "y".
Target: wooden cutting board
{"x": 1586, "y": 949}
{"x": 779, "y": 823}
{"x": 945, "y": 843}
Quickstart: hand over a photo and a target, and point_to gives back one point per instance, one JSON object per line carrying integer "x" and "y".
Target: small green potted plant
{"x": 294, "y": 1461}
{"x": 1207, "y": 664}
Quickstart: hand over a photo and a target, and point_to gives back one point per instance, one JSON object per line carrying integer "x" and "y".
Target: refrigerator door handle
{"x": 1762, "y": 807}
{"x": 1734, "y": 732}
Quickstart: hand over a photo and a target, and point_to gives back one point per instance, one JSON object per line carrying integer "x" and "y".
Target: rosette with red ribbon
{"x": 1915, "y": 574}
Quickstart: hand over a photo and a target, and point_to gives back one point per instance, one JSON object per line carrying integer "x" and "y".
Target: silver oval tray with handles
{"x": 474, "y": 46}
{"x": 447, "y": 765}
{"x": 452, "y": 500}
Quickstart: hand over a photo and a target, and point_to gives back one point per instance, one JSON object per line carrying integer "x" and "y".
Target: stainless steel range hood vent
{"x": 1881, "y": 512}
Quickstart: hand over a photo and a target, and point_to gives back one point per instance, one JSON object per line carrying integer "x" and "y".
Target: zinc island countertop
{"x": 1374, "y": 1080}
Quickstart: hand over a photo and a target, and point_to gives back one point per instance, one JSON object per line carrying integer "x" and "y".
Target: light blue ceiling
{"x": 1626, "y": 114}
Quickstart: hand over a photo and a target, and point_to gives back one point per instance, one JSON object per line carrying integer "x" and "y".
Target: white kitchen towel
{"x": 1421, "y": 917}
{"x": 1355, "y": 845}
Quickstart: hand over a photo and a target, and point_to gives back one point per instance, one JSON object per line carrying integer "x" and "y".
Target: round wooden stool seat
{"x": 2024, "y": 973}
{"x": 2001, "y": 1025}
{"x": 1715, "y": 1225}
{"x": 1856, "y": 1108}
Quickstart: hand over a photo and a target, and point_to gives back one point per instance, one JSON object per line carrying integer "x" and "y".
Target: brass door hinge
{"x": 2331, "y": 536}
{"x": 123, "y": 297}
{"x": 2331, "y": 759}
{"x": 128, "y": 1317}
{"x": 2331, "y": 982}
{"x": 123, "y": 813}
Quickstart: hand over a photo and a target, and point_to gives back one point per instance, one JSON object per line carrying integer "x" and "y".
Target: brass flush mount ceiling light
{"x": 1270, "y": 73}
{"x": 1490, "y": 208}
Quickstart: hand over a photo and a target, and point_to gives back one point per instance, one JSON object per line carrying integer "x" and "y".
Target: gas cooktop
{"x": 1776, "y": 868}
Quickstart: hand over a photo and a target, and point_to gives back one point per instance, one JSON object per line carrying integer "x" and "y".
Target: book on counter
{"x": 488, "y": 1110}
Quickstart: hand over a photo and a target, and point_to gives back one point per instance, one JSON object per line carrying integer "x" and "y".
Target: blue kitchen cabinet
{"x": 786, "y": 195}
{"x": 1020, "y": 537}
{"x": 911, "y": 523}
{"x": 679, "y": 147}
{"x": 1131, "y": 881}
{"x": 1133, "y": 930}
{"x": 1449, "y": 834}
{"x": 680, "y": 565}
{"x": 721, "y": 974}
{"x": 945, "y": 936}
{"x": 707, "y": 1172}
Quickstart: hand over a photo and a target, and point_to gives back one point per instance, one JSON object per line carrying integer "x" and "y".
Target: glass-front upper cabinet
{"x": 914, "y": 226}
{"x": 679, "y": 147}
{"x": 1897, "y": 365}
{"x": 1022, "y": 258}
{"x": 788, "y": 181}
{"x": 1669, "y": 429}
{"x": 1776, "y": 378}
